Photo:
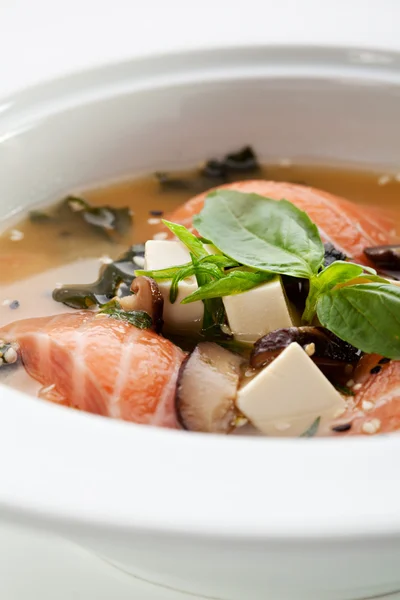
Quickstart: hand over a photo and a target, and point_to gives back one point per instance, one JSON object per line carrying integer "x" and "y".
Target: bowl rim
{"x": 185, "y": 484}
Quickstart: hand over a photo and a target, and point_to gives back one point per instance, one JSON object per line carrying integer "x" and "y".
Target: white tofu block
{"x": 288, "y": 395}
{"x": 162, "y": 254}
{"x": 255, "y": 313}
{"x": 178, "y": 318}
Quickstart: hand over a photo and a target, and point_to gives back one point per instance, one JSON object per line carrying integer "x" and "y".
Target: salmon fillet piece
{"x": 101, "y": 365}
{"x": 376, "y": 403}
{"x": 348, "y": 226}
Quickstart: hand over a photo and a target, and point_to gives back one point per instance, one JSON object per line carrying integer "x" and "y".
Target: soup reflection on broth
{"x": 293, "y": 330}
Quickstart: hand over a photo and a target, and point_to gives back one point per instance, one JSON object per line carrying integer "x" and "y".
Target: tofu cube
{"x": 258, "y": 311}
{"x": 178, "y": 318}
{"x": 288, "y": 395}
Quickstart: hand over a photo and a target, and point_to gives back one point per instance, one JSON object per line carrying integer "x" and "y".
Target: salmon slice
{"x": 101, "y": 365}
{"x": 376, "y": 407}
{"x": 349, "y": 227}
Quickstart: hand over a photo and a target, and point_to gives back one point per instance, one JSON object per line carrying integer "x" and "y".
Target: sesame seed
{"x": 375, "y": 370}
{"x": 249, "y": 373}
{"x": 285, "y": 162}
{"x": 310, "y": 349}
{"x": 58, "y": 285}
{"x": 75, "y": 205}
{"x": 153, "y": 221}
{"x": 350, "y": 383}
{"x": 339, "y": 412}
{"x": 384, "y": 179}
{"x": 357, "y": 386}
{"x": 156, "y": 213}
{"x": 6, "y": 302}
{"x": 10, "y": 356}
{"x": 367, "y": 405}
{"x": 371, "y": 427}
{"x": 105, "y": 260}
{"x": 240, "y": 422}
{"x": 14, "y": 305}
{"x": 282, "y": 426}
{"x": 16, "y": 235}
{"x": 139, "y": 260}
{"x": 162, "y": 235}
{"x": 48, "y": 388}
{"x": 226, "y": 329}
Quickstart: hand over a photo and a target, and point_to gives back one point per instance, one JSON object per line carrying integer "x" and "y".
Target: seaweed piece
{"x": 332, "y": 254}
{"x": 242, "y": 161}
{"x": 112, "y": 277}
{"x": 173, "y": 184}
{"x": 139, "y": 318}
{"x": 312, "y": 430}
{"x": 38, "y": 216}
{"x": 110, "y": 220}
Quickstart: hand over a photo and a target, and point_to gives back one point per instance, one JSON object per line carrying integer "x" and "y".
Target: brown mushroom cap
{"x": 145, "y": 296}
{"x": 206, "y": 389}
{"x": 384, "y": 257}
{"x": 324, "y": 347}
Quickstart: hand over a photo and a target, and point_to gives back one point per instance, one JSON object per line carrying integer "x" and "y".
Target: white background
{"x": 43, "y": 38}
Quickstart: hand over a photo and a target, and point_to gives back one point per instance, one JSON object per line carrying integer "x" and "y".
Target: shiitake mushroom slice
{"x": 328, "y": 351}
{"x": 206, "y": 389}
{"x": 385, "y": 257}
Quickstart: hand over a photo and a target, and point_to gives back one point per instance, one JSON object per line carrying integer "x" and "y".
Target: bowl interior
{"x": 309, "y": 105}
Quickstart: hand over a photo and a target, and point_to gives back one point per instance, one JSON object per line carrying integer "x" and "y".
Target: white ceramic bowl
{"x": 223, "y": 517}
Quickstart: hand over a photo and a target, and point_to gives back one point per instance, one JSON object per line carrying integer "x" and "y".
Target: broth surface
{"x": 38, "y": 255}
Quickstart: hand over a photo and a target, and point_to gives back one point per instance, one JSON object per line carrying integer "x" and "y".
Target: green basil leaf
{"x": 189, "y": 271}
{"x": 214, "y": 310}
{"x": 338, "y": 272}
{"x": 312, "y": 430}
{"x": 168, "y": 273}
{"x": 194, "y": 245}
{"x": 262, "y": 233}
{"x": 222, "y": 261}
{"x": 364, "y": 315}
{"x": 233, "y": 283}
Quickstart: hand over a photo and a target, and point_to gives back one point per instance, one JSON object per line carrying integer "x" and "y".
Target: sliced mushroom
{"x": 145, "y": 296}
{"x": 327, "y": 350}
{"x": 384, "y": 257}
{"x": 206, "y": 389}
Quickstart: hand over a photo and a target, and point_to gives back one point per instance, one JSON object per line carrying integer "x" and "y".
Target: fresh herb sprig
{"x": 256, "y": 238}
{"x": 350, "y": 300}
